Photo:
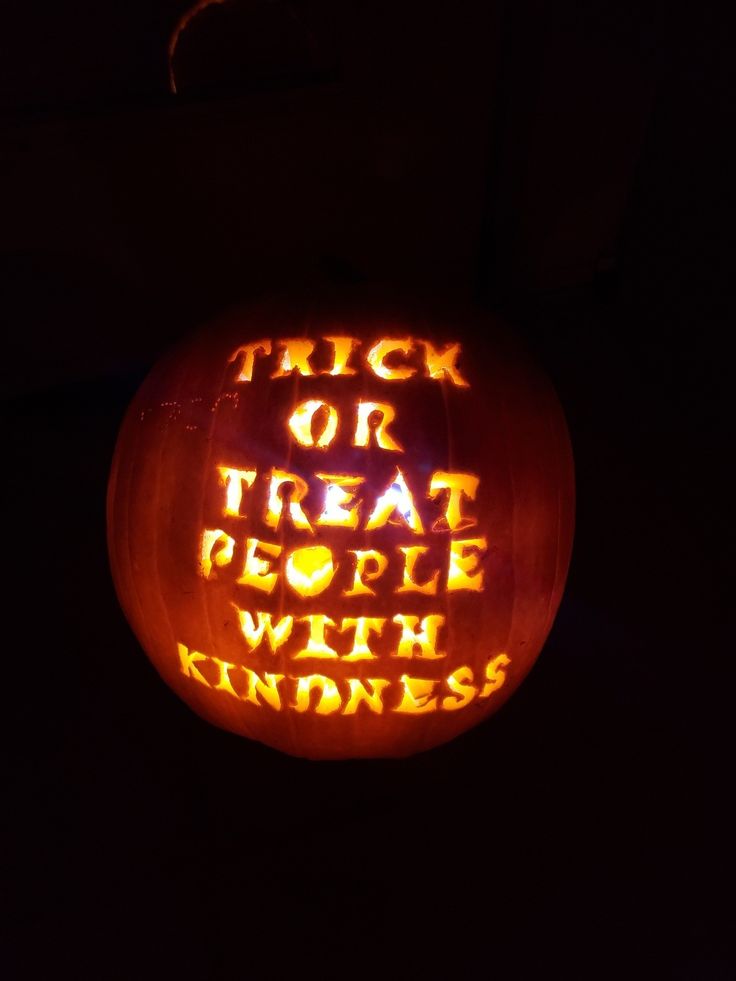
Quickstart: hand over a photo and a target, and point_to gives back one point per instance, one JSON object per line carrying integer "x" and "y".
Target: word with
{"x": 316, "y": 693}
{"x": 414, "y": 638}
{"x": 392, "y": 358}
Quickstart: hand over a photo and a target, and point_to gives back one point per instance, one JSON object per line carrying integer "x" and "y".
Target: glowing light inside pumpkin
{"x": 363, "y": 627}
{"x": 188, "y": 661}
{"x": 418, "y": 695}
{"x": 316, "y": 644}
{"x": 495, "y": 675}
{"x": 442, "y": 365}
{"x": 234, "y": 481}
{"x": 407, "y": 695}
{"x": 246, "y": 355}
{"x": 255, "y": 630}
{"x": 343, "y": 348}
{"x": 218, "y": 547}
{"x": 390, "y": 359}
{"x": 363, "y": 574}
{"x": 422, "y": 636}
{"x": 463, "y": 572}
{"x": 409, "y": 584}
{"x": 295, "y": 491}
{"x": 382, "y": 414}
{"x": 463, "y": 691}
{"x": 340, "y": 490}
{"x": 457, "y": 486}
{"x": 263, "y": 689}
{"x": 302, "y": 423}
{"x": 329, "y": 698}
{"x": 223, "y": 682}
{"x": 287, "y": 490}
{"x": 396, "y": 499}
{"x": 309, "y": 571}
{"x": 384, "y": 349}
{"x": 257, "y": 570}
{"x": 295, "y": 354}
{"x": 367, "y": 692}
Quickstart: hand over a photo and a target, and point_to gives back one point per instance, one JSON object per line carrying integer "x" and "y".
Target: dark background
{"x": 564, "y": 164}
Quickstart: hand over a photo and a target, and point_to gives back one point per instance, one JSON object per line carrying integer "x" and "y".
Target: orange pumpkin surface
{"x": 342, "y": 534}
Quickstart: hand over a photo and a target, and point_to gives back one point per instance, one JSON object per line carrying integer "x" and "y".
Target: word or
{"x": 327, "y": 696}
{"x": 315, "y": 422}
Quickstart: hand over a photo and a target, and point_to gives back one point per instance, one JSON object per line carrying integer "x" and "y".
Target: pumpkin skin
{"x": 192, "y": 488}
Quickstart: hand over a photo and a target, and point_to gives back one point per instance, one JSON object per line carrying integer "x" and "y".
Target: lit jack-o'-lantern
{"x": 342, "y": 535}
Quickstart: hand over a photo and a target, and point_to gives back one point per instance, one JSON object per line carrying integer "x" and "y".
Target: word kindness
{"x": 323, "y": 695}
{"x": 439, "y": 513}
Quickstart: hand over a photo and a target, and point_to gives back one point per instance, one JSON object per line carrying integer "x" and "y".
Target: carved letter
{"x": 223, "y": 682}
{"x": 248, "y": 355}
{"x": 275, "y": 635}
{"x": 294, "y": 355}
{"x": 362, "y": 576}
{"x": 188, "y": 660}
{"x": 335, "y": 514}
{"x": 275, "y": 506}
{"x": 384, "y": 440}
{"x": 359, "y": 694}
{"x": 459, "y": 682}
{"x": 417, "y": 695}
{"x": 396, "y": 498}
{"x": 309, "y": 570}
{"x": 302, "y": 419}
{"x": 234, "y": 480}
{"x": 495, "y": 675}
{"x": 377, "y": 355}
{"x": 441, "y": 364}
{"x": 256, "y": 571}
{"x": 329, "y": 701}
{"x": 217, "y": 547}
{"x": 459, "y": 485}
{"x": 363, "y": 626}
{"x": 409, "y": 583}
{"x": 464, "y": 560}
{"x": 343, "y": 348}
{"x": 316, "y": 645}
{"x": 425, "y": 639}
{"x": 267, "y": 687}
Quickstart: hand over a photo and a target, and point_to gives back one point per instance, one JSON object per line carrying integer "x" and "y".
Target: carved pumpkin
{"x": 344, "y": 535}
